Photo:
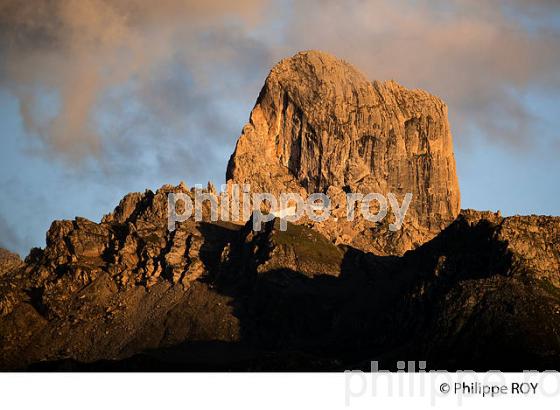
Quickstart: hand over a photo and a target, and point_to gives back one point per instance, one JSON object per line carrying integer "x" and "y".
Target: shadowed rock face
{"x": 127, "y": 294}
{"x": 320, "y": 126}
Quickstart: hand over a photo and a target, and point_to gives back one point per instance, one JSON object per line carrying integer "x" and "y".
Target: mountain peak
{"x": 319, "y": 124}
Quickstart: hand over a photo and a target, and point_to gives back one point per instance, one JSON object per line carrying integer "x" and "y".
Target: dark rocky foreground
{"x": 126, "y": 294}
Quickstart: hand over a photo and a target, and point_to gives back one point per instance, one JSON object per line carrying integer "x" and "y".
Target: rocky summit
{"x": 457, "y": 289}
{"x": 320, "y": 126}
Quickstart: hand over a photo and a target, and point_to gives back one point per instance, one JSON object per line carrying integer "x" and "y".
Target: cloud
{"x": 480, "y": 56}
{"x": 106, "y": 80}
{"x": 131, "y": 85}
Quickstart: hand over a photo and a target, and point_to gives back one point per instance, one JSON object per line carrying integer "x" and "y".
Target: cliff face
{"x": 475, "y": 290}
{"x": 320, "y": 126}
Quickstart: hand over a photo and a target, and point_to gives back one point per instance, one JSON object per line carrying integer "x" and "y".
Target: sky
{"x": 99, "y": 98}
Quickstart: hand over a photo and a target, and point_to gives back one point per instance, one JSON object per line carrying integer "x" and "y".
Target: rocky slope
{"x": 472, "y": 297}
{"x": 471, "y": 290}
{"x": 9, "y": 261}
